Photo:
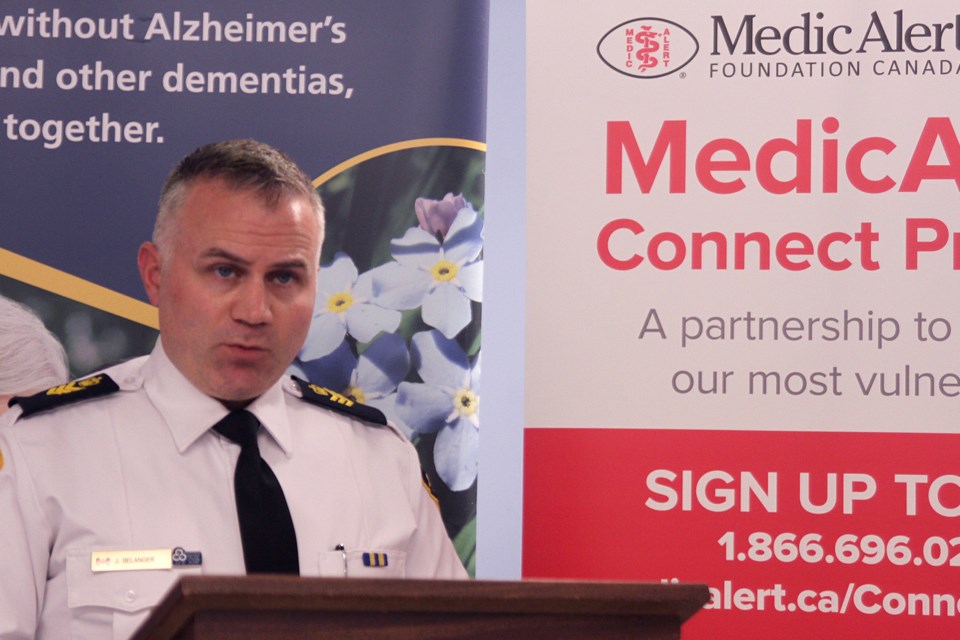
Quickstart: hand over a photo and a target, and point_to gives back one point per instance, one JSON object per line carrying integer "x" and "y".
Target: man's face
{"x": 235, "y": 288}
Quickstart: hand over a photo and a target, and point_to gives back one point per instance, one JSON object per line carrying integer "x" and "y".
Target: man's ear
{"x": 148, "y": 260}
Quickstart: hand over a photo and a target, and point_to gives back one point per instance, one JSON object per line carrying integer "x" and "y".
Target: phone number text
{"x": 761, "y": 546}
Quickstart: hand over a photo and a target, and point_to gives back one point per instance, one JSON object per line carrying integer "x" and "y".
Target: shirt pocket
{"x": 374, "y": 563}
{"x": 117, "y": 600}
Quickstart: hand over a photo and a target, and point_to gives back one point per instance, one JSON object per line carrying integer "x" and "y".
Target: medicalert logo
{"x": 776, "y": 45}
{"x": 648, "y": 48}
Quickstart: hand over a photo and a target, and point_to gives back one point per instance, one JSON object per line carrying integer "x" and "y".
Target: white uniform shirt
{"x": 141, "y": 470}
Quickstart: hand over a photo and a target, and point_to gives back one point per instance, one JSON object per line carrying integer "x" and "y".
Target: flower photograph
{"x": 397, "y": 318}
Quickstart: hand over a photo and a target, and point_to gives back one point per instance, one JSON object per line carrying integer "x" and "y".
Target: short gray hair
{"x": 242, "y": 164}
{"x": 30, "y": 356}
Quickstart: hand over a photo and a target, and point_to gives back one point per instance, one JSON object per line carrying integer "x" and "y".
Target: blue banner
{"x": 382, "y": 103}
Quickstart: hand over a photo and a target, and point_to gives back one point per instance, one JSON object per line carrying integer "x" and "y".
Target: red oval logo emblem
{"x": 648, "y": 48}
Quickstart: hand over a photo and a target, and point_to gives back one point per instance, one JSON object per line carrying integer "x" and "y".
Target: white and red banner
{"x": 741, "y": 329}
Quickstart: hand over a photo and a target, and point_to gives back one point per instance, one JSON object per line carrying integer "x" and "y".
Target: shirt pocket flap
{"x": 129, "y": 591}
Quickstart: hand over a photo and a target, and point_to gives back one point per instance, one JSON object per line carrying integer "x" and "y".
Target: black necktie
{"x": 266, "y": 528}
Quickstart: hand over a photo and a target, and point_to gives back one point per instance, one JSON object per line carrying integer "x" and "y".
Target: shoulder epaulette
{"x": 323, "y": 397}
{"x": 64, "y": 394}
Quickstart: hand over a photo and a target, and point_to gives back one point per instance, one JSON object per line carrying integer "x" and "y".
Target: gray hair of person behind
{"x": 243, "y": 164}
{"x": 31, "y": 357}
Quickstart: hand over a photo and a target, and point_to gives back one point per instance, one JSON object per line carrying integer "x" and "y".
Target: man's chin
{"x": 240, "y": 391}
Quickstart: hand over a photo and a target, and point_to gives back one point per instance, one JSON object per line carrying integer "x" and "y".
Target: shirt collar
{"x": 189, "y": 412}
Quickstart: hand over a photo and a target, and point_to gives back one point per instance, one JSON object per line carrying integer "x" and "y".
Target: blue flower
{"x": 345, "y": 304}
{"x": 371, "y": 379}
{"x": 441, "y": 276}
{"x": 447, "y": 403}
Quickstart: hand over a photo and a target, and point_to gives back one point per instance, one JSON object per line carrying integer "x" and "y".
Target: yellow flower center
{"x": 339, "y": 302}
{"x": 356, "y": 394}
{"x": 467, "y": 403}
{"x": 444, "y": 271}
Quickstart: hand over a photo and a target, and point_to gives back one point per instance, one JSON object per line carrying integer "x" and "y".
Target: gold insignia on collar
{"x": 339, "y": 398}
{"x": 74, "y": 386}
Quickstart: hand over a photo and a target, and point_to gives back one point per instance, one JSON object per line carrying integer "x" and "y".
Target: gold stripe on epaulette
{"x": 339, "y": 398}
{"x": 74, "y": 386}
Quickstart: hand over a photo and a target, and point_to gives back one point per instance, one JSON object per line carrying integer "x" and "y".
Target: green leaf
{"x": 466, "y": 545}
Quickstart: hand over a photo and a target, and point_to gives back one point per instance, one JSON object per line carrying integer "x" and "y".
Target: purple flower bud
{"x": 436, "y": 216}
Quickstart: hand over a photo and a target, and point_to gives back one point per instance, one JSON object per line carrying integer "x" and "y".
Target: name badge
{"x": 138, "y": 560}
{"x": 143, "y": 559}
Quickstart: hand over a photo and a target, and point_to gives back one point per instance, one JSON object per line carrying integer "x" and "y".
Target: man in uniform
{"x": 202, "y": 458}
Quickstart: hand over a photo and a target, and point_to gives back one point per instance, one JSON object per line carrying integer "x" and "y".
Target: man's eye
{"x": 284, "y": 277}
{"x": 224, "y": 271}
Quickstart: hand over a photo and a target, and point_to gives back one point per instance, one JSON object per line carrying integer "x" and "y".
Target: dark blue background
{"x": 417, "y": 67}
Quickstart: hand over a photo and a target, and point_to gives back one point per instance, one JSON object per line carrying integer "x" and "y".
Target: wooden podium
{"x": 273, "y": 607}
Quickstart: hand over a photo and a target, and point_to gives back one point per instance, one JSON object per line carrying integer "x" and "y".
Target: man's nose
{"x": 252, "y": 303}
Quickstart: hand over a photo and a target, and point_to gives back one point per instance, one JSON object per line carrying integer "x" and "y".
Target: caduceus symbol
{"x": 647, "y": 41}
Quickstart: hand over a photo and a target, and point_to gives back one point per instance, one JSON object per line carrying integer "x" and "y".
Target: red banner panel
{"x": 796, "y": 533}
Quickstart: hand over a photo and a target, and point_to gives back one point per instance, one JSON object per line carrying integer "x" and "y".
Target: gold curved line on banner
{"x": 69, "y": 286}
{"x": 399, "y": 146}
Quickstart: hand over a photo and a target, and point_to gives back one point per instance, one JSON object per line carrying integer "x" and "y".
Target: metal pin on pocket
{"x": 343, "y": 552}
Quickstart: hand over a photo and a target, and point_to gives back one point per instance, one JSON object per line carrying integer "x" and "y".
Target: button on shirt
{"x": 140, "y": 470}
